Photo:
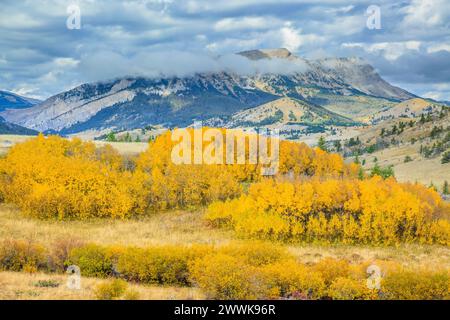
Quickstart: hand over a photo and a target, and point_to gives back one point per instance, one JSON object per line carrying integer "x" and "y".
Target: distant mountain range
{"x": 333, "y": 91}
{"x": 9, "y": 100}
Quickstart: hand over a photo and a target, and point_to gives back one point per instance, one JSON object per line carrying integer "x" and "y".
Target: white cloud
{"x": 426, "y": 13}
{"x": 438, "y": 47}
{"x": 342, "y": 25}
{"x": 16, "y": 21}
{"x": 390, "y": 50}
{"x": 113, "y": 65}
{"x": 435, "y": 95}
{"x": 235, "y": 44}
{"x": 66, "y": 62}
{"x": 440, "y": 91}
{"x": 120, "y": 37}
{"x": 290, "y": 38}
{"x": 248, "y": 23}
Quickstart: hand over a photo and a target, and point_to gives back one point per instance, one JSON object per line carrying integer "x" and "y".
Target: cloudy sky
{"x": 40, "y": 56}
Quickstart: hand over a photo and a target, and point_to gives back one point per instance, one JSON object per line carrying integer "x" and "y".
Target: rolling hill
{"x": 406, "y": 109}
{"x": 286, "y": 111}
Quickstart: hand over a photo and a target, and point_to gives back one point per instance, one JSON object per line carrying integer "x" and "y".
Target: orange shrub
{"x": 17, "y": 255}
{"x": 330, "y": 269}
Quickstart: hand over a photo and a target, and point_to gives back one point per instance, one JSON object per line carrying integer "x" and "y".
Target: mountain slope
{"x": 363, "y": 78}
{"x": 413, "y": 146}
{"x": 136, "y": 102}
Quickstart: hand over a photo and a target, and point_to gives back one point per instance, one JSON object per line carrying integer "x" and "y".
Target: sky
{"x": 42, "y": 54}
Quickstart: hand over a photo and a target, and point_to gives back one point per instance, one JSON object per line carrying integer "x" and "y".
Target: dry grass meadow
{"x": 188, "y": 227}
{"x": 26, "y": 286}
{"x": 179, "y": 227}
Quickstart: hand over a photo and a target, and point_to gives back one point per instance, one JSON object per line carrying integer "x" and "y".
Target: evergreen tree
{"x": 322, "y": 144}
{"x": 337, "y": 145}
{"x": 446, "y": 158}
{"x": 385, "y": 172}
{"x": 422, "y": 119}
{"x": 394, "y": 129}
{"x": 361, "y": 174}
{"x": 127, "y": 138}
{"x": 111, "y": 137}
{"x": 445, "y": 188}
{"x": 432, "y": 186}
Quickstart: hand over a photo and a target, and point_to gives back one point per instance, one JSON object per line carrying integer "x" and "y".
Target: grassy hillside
{"x": 287, "y": 111}
{"x": 411, "y": 108}
{"x": 413, "y": 146}
{"x": 355, "y": 107}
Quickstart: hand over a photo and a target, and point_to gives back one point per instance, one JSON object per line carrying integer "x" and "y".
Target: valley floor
{"x": 188, "y": 227}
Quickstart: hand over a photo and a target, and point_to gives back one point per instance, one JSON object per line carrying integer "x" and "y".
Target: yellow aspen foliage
{"x": 52, "y": 177}
{"x": 58, "y": 178}
{"x": 313, "y": 197}
{"x": 191, "y": 184}
{"x": 371, "y": 211}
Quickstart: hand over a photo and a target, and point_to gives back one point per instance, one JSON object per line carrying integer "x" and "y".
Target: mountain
{"x": 336, "y": 90}
{"x": 9, "y": 100}
{"x": 10, "y": 128}
{"x": 137, "y": 102}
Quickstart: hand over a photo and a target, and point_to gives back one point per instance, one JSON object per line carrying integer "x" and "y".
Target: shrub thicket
{"x": 234, "y": 271}
{"x": 18, "y": 255}
{"x": 372, "y": 211}
{"x": 52, "y": 177}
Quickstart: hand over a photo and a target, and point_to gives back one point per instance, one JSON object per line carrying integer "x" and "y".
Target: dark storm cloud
{"x": 39, "y": 56}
